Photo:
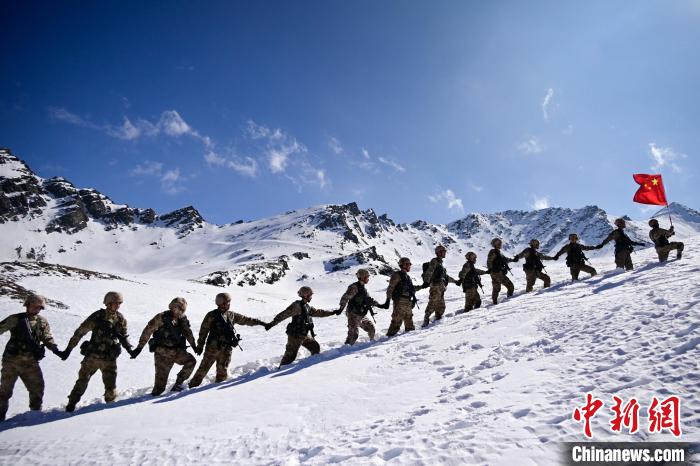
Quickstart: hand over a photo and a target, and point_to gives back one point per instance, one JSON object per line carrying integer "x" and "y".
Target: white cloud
{"x": 568, "y": 131}
{"x": 665, "y": 156}
{"x": 321, "y": 177}
{"x": 531, "y": 146}
{"x": 448, "y": 196}
{"x": 214, "y": 159}
{"x": 365, "y": 153}
{"x": 335, "y": 145}
{"x": 247, "y": 167}
{"x": 277, "y": 160}
{"x": 147, "y": 168}
{"x": 540, "y": 202}
{"x": 170, "y": 180}
{"x": 61, "y": 114}
{"x": 546, "y": 103}
{"x": 172, "y": 124}
{"x": 392, "y": 163}
{"x": 476, "y": 188}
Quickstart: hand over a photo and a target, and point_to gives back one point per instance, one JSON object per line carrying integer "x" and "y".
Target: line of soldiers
{"x": 168, "y": 333}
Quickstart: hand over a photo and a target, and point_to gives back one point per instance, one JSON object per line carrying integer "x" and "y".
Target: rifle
{"x": 36, "y": 347}
{"x": 368, "y": 308}
{"x": 232, "y": 338}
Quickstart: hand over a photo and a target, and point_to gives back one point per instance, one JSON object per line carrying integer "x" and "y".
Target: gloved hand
{"x": 515, "y": 259}
{"x": 556, "y": 258}
{"x": 198, "y": 350}
{"x": 64, "y": 354}
{"x": 338, "y": 312}
{"x": 134, "y": 352}
{"x": 671, "y": 229}
{"x": 268, "y": 326}
{"x": 600, "y": 246}
{"x": 385, "y": 305}
{"x": 458, "y": 283}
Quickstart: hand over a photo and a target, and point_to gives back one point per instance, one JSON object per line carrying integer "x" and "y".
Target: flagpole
{"x": 668, "y": 208}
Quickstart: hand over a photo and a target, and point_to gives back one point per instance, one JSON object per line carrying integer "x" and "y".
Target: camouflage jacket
{"x": 470, "y": 275}
{"x": 356, "y": 297}
{"x": 497, "y": 262}
{"x": 622, "y": 241}
{"x": 660, "y": 236}
{"x": 437, "y": 273}
{"x": 173, "y": 335}
{"x": 20, "y": 344}
{"x": 301, "y": 314}
{"x": 533, "y": 258}
{"x": 568, "y": 249}
{"x": 212, "y": 326}
{"x": 400, "y": 286}
{"x": 109, "y": 330}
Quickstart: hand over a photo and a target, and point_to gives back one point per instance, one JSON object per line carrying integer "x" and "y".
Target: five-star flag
{"x": 651, "y": 190}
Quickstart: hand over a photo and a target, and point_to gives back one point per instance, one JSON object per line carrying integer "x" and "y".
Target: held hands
{"x": 63, "y": 354}
{"x": 385, "y": 305}
{"x": 338, "y": 311}
{"x": 268, "y": 326}
{"x": 458, "y": 283}
{"x": 198, "y": 349}
{"x": 134, "y": 353}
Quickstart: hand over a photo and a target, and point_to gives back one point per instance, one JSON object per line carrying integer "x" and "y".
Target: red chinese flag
{"x": 651, "y": 190}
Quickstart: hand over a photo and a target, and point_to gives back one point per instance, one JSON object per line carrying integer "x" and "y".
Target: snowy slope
{"x": 496, "y": 386}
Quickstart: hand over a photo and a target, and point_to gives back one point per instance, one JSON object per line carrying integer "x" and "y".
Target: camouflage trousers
{"x": 401, "y": 314}
{"x": 664, "y": 251}
{"x": 436, "y": 302}
{"x": 27, "y": 369}
{"x": 357, "y": 321}
{"x": 576, "y": 269}
{"x": 623, "y": 259}
{"x": 212, "y": 355}
{"x": 472, "y": 299}
{"x": 88, "y": 367}
{"x": 498, "y": 279}
{"x": 294, "y": 342}
{"x": 164, "y": 359}
{"x": 531, "y": 277}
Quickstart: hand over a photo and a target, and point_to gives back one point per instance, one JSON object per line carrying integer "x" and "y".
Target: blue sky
{"x": 418, "y": 109}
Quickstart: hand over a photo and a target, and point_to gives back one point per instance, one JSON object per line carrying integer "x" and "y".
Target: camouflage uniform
{"x": 218, "y": 349}
{"x": 497, "y": 265}
{"x": 403, "y": 293}
{"x": 19, "y": 361}
{"x": 298, "y": 329}
{"x": 663, "y": 247}
{"x": 623, "y": 248}
{"x": 438, "y": 280}
{"x": 533, "y": 267}
{"x": 575, "y": 259}
{"x": 101, "y": 352}
{"x": 171, "y": 336}
{"x": 469, "y": 276}
{"x": 356, "y": 298}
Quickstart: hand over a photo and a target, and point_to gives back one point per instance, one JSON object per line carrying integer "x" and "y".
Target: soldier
{"x": 623, "y": 245}
{"x": 301, "y": 325}
{"x": 469, "y": 279}
{"x": 533, "y": 265}
{"x": 171, "y": 332}
{"x": 28, "y": 331}
{"x": 108, "y": 327}
{"x": 498, "y": 268}
{"x": 435, "y": 276}
{"x": 403, "y": 292}
{"x": 220, "y": 337}
{"x": 575, "y": 258}
{"x": 359, "y": 303}
{"x": 660, "y": 238}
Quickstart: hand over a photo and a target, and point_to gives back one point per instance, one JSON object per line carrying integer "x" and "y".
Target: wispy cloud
{"x": 540, "y": 202}
{"x": 568, "y": 131}
{"x": 665, "y": 157}
{"x": 531, "y": 145}
{"x": 170, "y": 180}
{"x": 546, "y": 102}
{"x": 449, "y": 198}
{"x": 246, "y": 166}
{"x": 392, "y": 163}
{"x": 365, "y": 153}
{"x": 475, "y": 187}
{"x": 335, "y": 145}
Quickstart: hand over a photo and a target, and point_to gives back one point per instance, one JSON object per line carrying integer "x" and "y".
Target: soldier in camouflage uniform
{"x": 28, "y": 331}
{"x": 575, "y": 258}
{"x": 533, "y": 265}
{"x": 171, "y": 332}
{"x": 436, "y": 277}
{"x": 301, "y": 325}
{"x": 623, "y": 245}
{"x": 660, "y": 238}
{"x": 358, "y": 301}
{"x": 498, "y": 268}
{"x": 109, "y": 334}
{"x": 402, "y": 291}
{"x": 469, "y": 279}
{"x": 217, "y": 331}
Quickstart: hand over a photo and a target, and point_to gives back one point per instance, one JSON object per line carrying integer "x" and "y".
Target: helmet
{"x": 362, "y": 273}
{"x": 534, "y": 243}
{"x": 305, "y": 291}
{"x": 573, "y": 236}
{"x": 620, "y": 223}
{"x": 35, "y": 299}
{"x": 404, "y": 260}
{"x": 470, "y": 254}
{"x": 180, "y": 303}
{"x": 440, "y": 248}
{"x": 221, "y": 298}
{"x": 495, "y": 240}
{"x": 113, "y": 297}
{"x": 653, "y": 223}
